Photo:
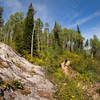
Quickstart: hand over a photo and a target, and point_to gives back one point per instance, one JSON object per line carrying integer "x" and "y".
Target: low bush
{"x": 18, "y": 84}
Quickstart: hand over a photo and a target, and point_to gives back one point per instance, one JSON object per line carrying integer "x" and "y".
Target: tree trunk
{"x": 32, "y": 43}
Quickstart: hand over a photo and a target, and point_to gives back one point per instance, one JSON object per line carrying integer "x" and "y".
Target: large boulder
{"x": 33, "y": 78}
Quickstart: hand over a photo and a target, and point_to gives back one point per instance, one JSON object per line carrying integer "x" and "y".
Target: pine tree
{"x": 46, "y": 31}
{"x": 1, "y": 19}
{"x": 56, "y": 31}
{"x": 35, "y": 44}
{"x": 87, "y": 43}
{"x": 80, "y": 40}
{"x": 78, "y": 30}
{"x": 1, "y": 25}
{"x": 28, "y": 29}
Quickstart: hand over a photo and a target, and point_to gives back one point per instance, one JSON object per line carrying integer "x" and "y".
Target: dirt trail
{"x": 68, "y": 70}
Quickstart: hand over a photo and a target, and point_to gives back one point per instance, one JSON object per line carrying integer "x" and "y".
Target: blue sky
{"x": 68, "y": 13}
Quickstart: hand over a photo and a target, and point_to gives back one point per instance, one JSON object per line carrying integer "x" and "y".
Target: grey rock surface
{"x": 16, "y": 67}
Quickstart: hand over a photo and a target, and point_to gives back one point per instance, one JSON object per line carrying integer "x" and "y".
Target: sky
{"x": 68, "y": 13}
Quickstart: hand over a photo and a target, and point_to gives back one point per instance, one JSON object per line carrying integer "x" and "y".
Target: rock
{"x": 19, "y": 69}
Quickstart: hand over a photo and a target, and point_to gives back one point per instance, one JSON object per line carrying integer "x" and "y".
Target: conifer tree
{"x": 1, "y": 19}
{"x": 46, "y": 31}
{"x": 80, "y": 40}
{"x": 1, "y": 24}
{"x": 28, "y": 29}
{"x": 87, "y": 43}
{"x": 78, "y": 30}
{"x": 56, "y": 31}
{"x": 35, "y": 44}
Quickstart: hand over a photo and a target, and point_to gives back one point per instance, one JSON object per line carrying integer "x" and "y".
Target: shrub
{"x": 1, "y": 81}
{"x": 18, "y": 84}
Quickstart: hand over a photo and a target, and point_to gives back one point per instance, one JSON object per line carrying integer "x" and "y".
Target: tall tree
{"x": 28, "y": 29}
{"x": 46, "y": 32}
{"x": 95, "y": 46}
{"x": 1, "y": 24}
{"x": 78, "y": 29}
{"x": 1, "y": 19}
{"x": 87, "y": 43}
{"x": 38, "y": 30}
{"x": 56, "y": 30}
{"x": 13, "y": 26}
{"x": 80, "y": 41}
{"x": 35, "y": 44}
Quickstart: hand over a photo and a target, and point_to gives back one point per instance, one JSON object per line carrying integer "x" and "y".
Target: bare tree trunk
{"x": 32, "y": 42}
{"x": 47, "y": 39}
{"x": 38, "y": 41}
{"x": 11, "y": 35}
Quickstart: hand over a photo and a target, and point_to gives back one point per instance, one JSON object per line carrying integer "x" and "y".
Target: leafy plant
{"x": 18, "y": 84}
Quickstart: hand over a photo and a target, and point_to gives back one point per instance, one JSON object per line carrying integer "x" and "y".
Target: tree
{"x": 56, "y": 30}
{"x": 95, "y": 45}
{"x": 1, "y": 19}
{"x": 28, "y": 28}
{"x": 80, "y": 41}
{"x": 38, "y": 30}
{"x": 87, "y": 43}
{"x": 78, "y": 29}
{"x": 1, "y": 24}
{"x": 12, "y": 26}
{"x": 35, "y": 44}
{"x": 46, "y": 32}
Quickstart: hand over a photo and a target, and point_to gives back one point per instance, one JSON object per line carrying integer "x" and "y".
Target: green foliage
{"x": 56, "y": 30}
{"x": 18, "y": 84}
{"x": 50, "y": 49}
{"x": 67, "y": 89}
{"x": 95, "y": 46}
{"x": 1, "y": 19}
{"x": 87, "y": 43}
{"x": 28, "y": 28}
{"x": 1, "y": 81}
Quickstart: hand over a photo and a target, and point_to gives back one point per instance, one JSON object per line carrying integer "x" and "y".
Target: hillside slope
{"x": 92, "y": 89}
{"x": 33, "y": 78}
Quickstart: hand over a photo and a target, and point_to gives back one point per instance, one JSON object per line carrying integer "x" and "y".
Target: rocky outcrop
{"x": 33, "y": 78}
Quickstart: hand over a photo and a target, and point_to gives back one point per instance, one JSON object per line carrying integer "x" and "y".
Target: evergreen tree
{"x": 1, "y": 19}
{"x": 28, "y": 29}
{"x": 87, "y": 43}
{"x": 46, "y": 32}
{"x": 1, "y": 24}
{"x": 56, "y": 30}
{"x": 35, "y": 44}
{"x": 78, "y": 30}
{"x": 80, "y": 40}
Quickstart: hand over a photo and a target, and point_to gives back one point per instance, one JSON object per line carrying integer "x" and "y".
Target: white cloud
{"x": 92, "y": 31}
{"x": 43, "y": 12}
{"x": 84, "y": 20}
{"x": 13, "y": 5}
